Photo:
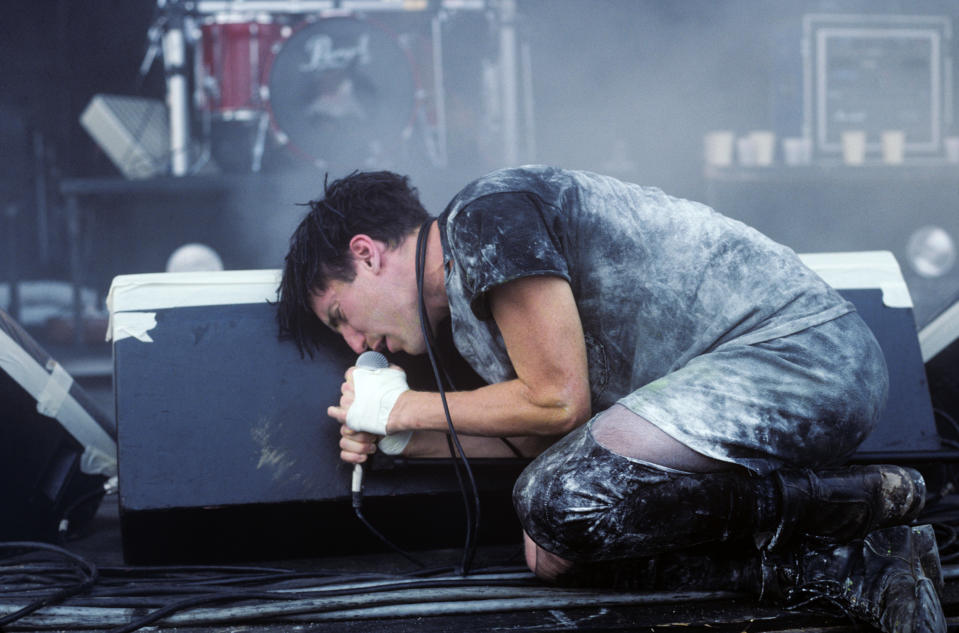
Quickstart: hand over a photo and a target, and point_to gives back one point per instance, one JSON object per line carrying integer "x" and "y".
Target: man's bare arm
{"x": 550, "y": 396}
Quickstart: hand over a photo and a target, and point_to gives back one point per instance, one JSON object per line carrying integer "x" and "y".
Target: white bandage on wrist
{"x": 394, "y": 443}
{"x": 376, "y": 392}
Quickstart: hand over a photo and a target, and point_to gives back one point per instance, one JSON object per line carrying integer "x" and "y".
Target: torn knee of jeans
{"x": 570, "y": 521}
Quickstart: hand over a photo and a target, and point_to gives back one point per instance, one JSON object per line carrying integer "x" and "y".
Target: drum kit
{"x": 325, "y": 88}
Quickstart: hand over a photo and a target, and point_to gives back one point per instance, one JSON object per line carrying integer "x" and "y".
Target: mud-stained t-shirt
{"x": 657, "y": 280}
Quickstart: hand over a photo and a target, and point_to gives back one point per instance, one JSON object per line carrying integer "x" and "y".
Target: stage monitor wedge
{"x": 58, "y": 449}
{"x": 940, "y": 351}
{"x": 873, "y": 282}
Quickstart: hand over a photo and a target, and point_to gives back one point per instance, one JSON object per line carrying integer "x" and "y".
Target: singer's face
{"x": 370, "y": 314}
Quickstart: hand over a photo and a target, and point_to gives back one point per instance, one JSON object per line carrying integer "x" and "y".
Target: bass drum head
{"x": 341, "y": 90}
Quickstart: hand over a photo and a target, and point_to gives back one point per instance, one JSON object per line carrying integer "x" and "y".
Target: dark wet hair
{"x": 380, "y": 204}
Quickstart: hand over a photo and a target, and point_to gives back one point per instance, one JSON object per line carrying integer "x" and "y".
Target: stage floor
{"x": 382, "y": 593}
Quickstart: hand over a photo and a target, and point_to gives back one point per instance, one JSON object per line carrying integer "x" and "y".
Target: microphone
{"x": 372, "y": 360}
{"x": 366, "y": 360}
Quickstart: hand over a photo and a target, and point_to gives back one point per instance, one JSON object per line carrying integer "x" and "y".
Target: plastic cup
{"x": 746, "y": 151}
{"x": 764, "y": 146}
{"x": 952, "y": 149}
{"x": 718, "y": 148}
{"x": 854, "y": 147}
{"x": 893, "y": 144}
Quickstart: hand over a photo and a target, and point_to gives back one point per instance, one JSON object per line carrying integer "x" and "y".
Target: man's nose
{"x": 355, "y": 340}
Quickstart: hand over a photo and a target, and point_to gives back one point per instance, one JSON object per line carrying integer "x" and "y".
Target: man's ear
{"x": 367, "y": 252}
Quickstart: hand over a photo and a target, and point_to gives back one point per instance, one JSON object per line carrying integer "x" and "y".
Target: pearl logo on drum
{"x": 323, "y": 56}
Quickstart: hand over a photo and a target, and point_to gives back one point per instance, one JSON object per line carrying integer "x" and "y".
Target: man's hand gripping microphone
{"x": 376, "y": 388}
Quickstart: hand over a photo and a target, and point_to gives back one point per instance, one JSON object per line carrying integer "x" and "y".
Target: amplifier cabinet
{"x": 225, "y": 448}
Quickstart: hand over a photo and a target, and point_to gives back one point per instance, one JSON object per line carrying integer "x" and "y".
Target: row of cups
{"x": 892, "y": 143}
{"x": 758, "y": 148}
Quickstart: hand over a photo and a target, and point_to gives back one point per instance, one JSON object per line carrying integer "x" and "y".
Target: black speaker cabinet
{"x": 57, "y": 448}
{"x": 226, "y": 452}
{"x": 940, "y": 351}
{"x": 873, "y": 282}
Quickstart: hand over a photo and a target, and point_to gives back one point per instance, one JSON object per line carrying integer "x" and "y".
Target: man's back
{"x": 658, "y": 280}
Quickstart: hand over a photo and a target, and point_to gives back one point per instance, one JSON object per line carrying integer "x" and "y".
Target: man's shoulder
{"x": 529, "y": 178}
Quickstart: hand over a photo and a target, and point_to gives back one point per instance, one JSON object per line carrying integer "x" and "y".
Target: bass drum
{"x": 342, "y": 92}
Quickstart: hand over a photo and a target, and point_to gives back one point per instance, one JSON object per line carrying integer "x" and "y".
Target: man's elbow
{"x": 557, "y": 409}
{"x": 573, "y": 413}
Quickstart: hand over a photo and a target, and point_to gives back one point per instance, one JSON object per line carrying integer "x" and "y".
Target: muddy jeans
{"x": 802, "y": 401}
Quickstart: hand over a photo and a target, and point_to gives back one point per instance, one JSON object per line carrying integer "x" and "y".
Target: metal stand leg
{"x": 174, "y": 61}
{"x": 76, "y": 276}
{"x": 259, "y": 144}
{"x": 40, "y": 194}
{"x": 13, "y": 308}
{"x": 438, "y": 144}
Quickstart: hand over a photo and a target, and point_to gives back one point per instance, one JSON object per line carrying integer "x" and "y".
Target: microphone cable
{"x": 457, "y": 453}
{"x": 357, "y": 510}
{"x": 86, "y": 570}
{"x": 372, "y": 360}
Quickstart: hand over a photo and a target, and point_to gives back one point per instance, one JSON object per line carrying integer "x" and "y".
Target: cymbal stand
{"x": 174, "y": 64}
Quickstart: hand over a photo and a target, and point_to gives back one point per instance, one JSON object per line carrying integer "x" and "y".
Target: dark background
{"x": 627, "y": 87}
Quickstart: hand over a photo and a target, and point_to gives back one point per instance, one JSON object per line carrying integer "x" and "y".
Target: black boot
{"x": 836, "y": 506}
{"x": 890, "y": 579}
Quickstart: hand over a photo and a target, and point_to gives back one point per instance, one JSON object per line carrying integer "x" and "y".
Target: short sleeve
{"x": 503, "y": 237}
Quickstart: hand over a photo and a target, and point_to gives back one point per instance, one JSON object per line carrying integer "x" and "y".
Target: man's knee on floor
{"x": 534, "y": 502}
{"x": 546, "y": 565}
{"x": 563, "y": 510}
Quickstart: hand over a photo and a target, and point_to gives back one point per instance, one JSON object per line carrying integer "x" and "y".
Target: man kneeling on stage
{"x": 691, "y": 388}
